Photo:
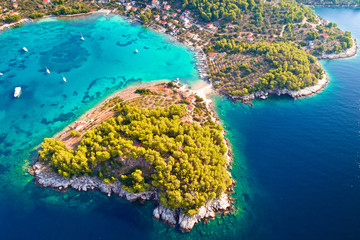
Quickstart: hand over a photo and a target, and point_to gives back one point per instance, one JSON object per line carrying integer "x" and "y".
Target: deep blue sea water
{"x": 296, "y": 162}
{"x": 303, "y": 155}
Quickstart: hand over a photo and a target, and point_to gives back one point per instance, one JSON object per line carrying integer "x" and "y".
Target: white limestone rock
{"x": 166, "y": 215}
{"x": 208, "y": 211}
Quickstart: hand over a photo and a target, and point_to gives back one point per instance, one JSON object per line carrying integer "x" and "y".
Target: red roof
{"x": 186, "y": 94}
{"x": 190, "y": 107}
{"x": 40, "y": 6}
{"x": 79, "y": 125}
{"x": 191, "y": 99}
{"x": 212, "y": 54}
{"x": 14, "y": 4}
{"x": 325, "y": 35}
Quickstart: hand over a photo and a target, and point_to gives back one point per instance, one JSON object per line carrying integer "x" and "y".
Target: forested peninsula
{"x": 163, "y": 145}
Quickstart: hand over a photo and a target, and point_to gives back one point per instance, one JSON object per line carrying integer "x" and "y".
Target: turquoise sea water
{"x": 296, "y": 162}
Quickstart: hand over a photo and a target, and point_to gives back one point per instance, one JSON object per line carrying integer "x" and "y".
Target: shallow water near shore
{"x": 296, "y": 163}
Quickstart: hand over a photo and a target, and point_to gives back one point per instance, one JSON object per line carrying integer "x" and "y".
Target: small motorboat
{"x": 47, "y": 70}
{"x": 136, "y": 51}
{"x": 17, "y": 92}
{"x": 82, "y": 37}
{"x": 64, "y": 79}
{"x": 1, "y": 74}
{"x": 25, "y": 49}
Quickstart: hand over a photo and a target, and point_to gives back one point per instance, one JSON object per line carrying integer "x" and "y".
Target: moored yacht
{"x": 47, "y": 70}
{"x": 64, "y": 79}
{"x": 17, "y": 92}
{"x": 25, "y": 49}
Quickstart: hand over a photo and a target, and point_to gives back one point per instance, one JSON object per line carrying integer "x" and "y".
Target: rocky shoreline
{"x": 351, "y": 52}
{"x": 14, "y": 24}
{"x": 333, "y": 6}
{"x": 45, "y": 178}
{"x": 294, "y": 94}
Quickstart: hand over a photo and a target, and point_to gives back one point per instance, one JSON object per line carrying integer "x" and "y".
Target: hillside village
{"x": 227, "y": 47}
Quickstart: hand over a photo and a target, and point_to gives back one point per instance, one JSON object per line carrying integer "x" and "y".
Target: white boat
{"x": 25, "y": 49}
{"x": 82, "y": 37}
{"x": 47, "y": 70}
{"x": 17, "y": 92}
{"x": 136, "y": 51}
{"x": 64, "y": 78}
{"x": 1, "y": 74}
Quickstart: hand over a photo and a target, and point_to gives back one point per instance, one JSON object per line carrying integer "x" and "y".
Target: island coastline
{"x": 221, "y": 205}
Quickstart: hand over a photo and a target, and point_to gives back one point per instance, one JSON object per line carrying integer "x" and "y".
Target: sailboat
{"x": 47, "y": 70}
{"x": 82, "y": 37}
{"x": 17, "y": 92}
{"x": 64, "y": 78}
{"x": 25, "y": 49}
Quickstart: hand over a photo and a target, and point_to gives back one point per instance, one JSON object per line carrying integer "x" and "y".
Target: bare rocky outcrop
{"x": 221, "y": 204}
{"x": 186, "y": 223}
{"x": 166, "y": 215}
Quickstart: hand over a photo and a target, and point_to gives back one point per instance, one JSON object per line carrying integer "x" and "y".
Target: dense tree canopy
{"x": 231, "y": 10}
{"x": 285, "y": 66}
